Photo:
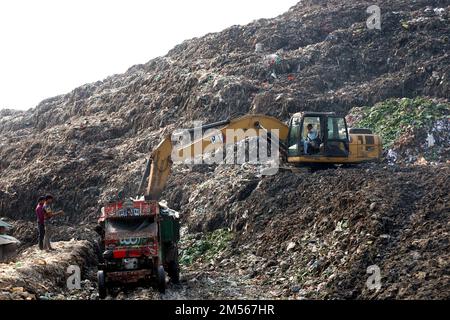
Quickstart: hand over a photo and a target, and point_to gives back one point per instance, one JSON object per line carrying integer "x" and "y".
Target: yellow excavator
{"x": 331, "y": 143}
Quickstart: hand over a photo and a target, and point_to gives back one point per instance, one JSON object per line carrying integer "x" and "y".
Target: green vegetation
{"x": 393, "y": 117}
{"x": 207, "y": 247}
{"x": 303, "y": 275}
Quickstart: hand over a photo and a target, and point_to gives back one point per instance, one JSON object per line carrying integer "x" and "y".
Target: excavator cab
{"x": 315, "y": 136}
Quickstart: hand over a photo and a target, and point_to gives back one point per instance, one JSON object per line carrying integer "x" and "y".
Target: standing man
{"x": 41, "y": 221}
{"x": 49, "y": 214}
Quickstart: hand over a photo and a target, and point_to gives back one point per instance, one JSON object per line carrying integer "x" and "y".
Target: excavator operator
{"x": 311, "y": 138}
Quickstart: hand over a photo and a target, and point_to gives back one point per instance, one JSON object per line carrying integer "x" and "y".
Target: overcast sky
{"x": 49, "y": 47}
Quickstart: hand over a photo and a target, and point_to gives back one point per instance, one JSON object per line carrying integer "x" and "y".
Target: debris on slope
{"x": 313, "y": 235}
{"x": 304, "y": 235}
{"x": 413, "y": 130}
{"x": 323, "y": 57}
{"x": 40, "y": 275}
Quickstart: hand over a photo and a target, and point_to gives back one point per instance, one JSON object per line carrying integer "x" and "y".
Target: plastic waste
{"x": 271, "y": 60}
{"x": 439, "y": 11}
{"x": 392, "y": 156}
{"x": 430, "y": 140}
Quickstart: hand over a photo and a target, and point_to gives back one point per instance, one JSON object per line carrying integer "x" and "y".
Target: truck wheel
{"x": 174, "y": 272}
{"x": 161, "y": 280}
{"x": 102, "y": 292}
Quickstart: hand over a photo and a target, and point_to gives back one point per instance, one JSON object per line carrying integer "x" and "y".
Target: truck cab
{"x": 138, "y": 244}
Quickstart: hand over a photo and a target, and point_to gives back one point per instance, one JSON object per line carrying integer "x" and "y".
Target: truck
{"x": 139, "y": 241}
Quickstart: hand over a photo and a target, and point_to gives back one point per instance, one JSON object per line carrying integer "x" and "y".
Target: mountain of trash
{"x": 90, "y": 145}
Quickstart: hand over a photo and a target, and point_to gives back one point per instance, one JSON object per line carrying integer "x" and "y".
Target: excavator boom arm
{"x": 159, "y": 165}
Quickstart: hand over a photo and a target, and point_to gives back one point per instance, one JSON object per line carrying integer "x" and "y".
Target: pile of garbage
{"x": 413, "y": 130}
{"x": 37, "y": 274}
{"x": 90, "y": 145}
{"x": 314, "y": 235}
{"x": 309, "y": 235}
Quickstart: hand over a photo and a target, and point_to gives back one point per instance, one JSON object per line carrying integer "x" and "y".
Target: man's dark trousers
{"x": 41, "y": 229}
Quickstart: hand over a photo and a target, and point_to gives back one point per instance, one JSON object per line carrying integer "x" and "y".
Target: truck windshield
{"x": 131, "y": 227}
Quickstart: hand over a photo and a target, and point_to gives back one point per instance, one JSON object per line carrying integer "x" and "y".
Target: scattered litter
{"x": 290, "y": 246}
{"x": 430, "y": 140}
{"x": 392, "y": 156}
{"x": 439, "y": 11}
{"x": 259, "y": 47}
{"x": 271, "y": 60}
